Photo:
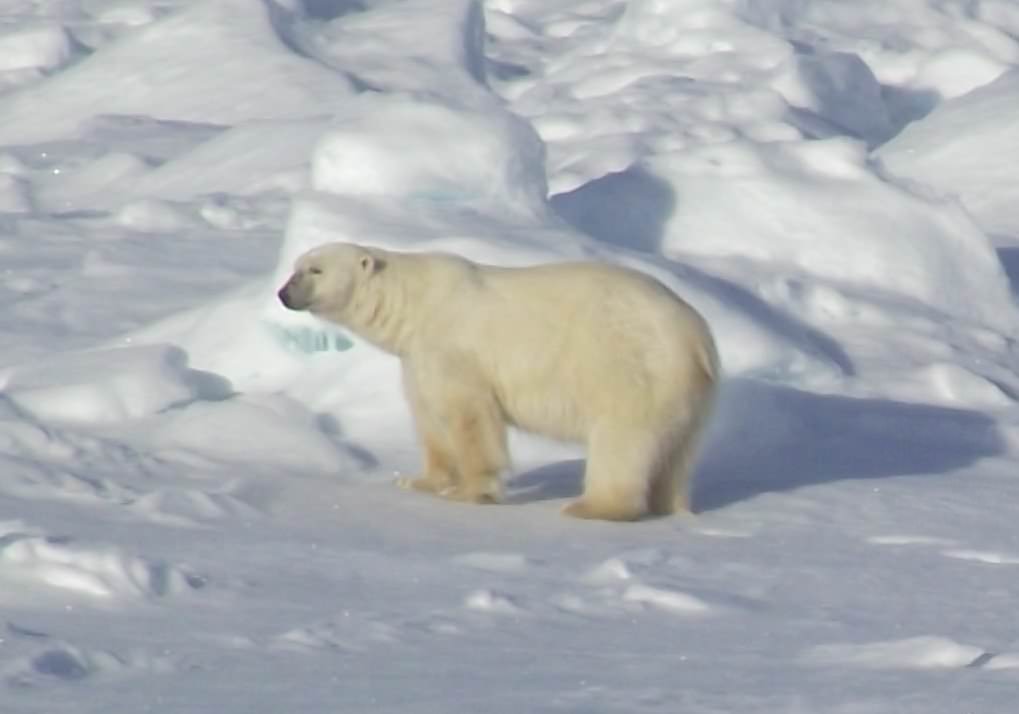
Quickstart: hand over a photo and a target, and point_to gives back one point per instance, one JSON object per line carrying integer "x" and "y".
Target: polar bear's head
{"x": 325, "y": 278}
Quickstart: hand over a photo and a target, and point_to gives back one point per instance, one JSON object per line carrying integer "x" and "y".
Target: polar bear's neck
{"x": 415, "y": 296}
{"x": 384, "y": 310}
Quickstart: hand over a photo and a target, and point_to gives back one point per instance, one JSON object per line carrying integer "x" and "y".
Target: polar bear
{"x": 584, "y": 351}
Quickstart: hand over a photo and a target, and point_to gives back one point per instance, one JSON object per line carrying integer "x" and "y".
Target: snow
{"x": 108, "y": 385}
{"x": 962, "y": 151}
{"x": 44, "y": 46}
{"x": 198, "y": 508}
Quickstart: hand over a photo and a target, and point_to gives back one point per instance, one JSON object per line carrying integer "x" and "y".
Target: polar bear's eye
{"x": 315, "y": 270}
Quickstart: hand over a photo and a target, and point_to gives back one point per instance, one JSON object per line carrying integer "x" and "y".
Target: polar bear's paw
{"x": 426, "y": 484}
{"x": 489, "y": 492}
{"x": 587, "y": 509}
{"x": 485, "y": 490}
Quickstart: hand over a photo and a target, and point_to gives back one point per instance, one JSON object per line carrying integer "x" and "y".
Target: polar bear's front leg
{"x": 477, "y": 437}
{"x": 439, "y": 475}
{"x": 461, "y": 428}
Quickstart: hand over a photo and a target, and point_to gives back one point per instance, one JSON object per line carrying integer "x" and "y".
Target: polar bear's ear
{"x": 370, "y": 264}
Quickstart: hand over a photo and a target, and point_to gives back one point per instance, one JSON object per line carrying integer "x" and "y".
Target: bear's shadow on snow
{"x": 560, "y": 479}
{"x": 767, "y": 438}
{"x": 770, "y": 438}
{"x": 329, "y": 426}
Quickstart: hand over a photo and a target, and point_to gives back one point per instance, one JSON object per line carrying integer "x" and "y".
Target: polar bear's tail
{"x": 670, "y": 487}
{"x": 707, "y": 356}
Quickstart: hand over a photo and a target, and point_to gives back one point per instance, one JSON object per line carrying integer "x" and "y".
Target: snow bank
{"x": 109, "y": 385}
{"x": 966, "y": 148}
{"x": 229, "y": 43}
{"x": 817, "y": 208}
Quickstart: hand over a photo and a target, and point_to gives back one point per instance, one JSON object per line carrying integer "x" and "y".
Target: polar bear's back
{"x": 564, "y": 343}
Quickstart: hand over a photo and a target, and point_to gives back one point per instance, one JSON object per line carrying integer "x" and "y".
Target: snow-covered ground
{"x": 197, "y": 509}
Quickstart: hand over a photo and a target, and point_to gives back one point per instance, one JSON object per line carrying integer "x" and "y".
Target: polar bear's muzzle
{"x": 295, "y": 294}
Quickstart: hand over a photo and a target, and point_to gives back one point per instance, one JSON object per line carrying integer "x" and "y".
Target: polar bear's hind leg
{"x": 620, "y": 463}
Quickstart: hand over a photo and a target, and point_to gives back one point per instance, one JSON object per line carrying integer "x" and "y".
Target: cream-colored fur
{"x": 586, "y": 352}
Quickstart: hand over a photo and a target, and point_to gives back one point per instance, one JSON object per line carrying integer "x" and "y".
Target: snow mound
{"x": 269, "y": 432}
{"x": 966, "y": 148}
{"x": 32, "y": 562}
{"x": 839, "y": 88}
{"x": 109, "y": 385}
{"x": 801, "y": 205}
{"x": 412, "y": 148}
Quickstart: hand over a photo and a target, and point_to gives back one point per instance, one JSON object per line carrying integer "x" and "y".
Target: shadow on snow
{"x": 767, "y": 438}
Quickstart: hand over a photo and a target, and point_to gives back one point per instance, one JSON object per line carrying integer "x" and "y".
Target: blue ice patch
{"x": 443, "y": 195}
{"x": 309, "y": 340}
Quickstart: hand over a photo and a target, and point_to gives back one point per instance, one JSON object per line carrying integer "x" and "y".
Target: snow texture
{"x": 197, "y": 500}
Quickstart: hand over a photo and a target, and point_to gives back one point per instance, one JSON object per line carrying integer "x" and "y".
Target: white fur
{"x": 577, "y": 351}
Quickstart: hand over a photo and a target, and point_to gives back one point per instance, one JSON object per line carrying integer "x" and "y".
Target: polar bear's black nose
{"x": 284, "y": 296}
